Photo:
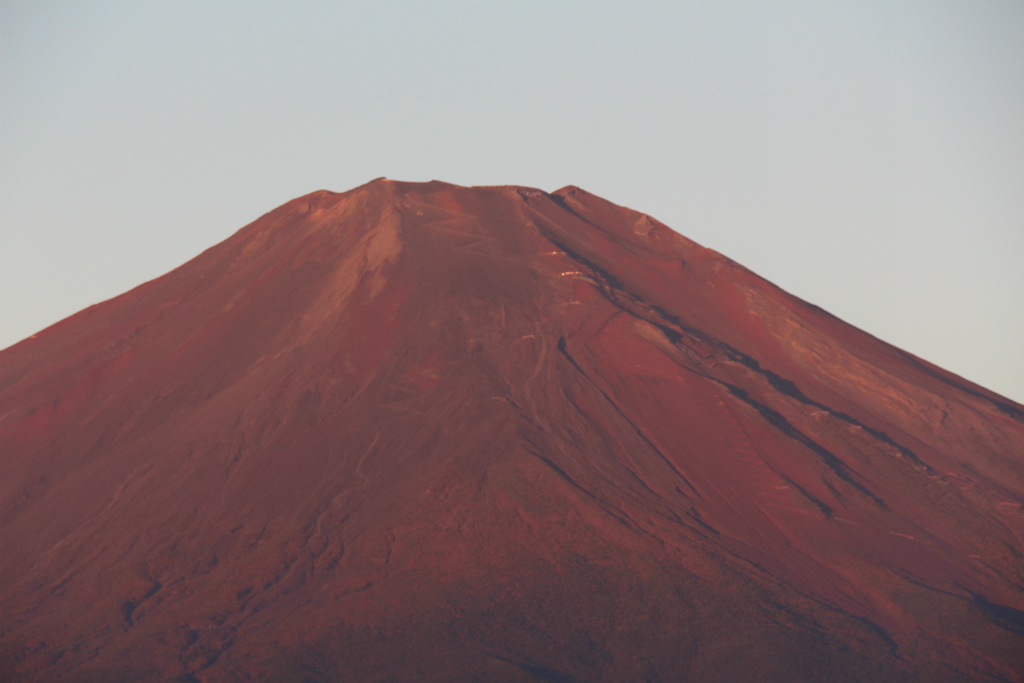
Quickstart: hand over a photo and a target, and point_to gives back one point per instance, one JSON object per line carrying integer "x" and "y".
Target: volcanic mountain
{"x": 416, "y": 431}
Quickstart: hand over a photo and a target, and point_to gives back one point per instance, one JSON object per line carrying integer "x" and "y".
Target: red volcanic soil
{"x": 427, "y": 432}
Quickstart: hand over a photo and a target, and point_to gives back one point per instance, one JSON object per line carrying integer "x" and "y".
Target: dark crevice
{"x": 1008, "y": 618}
{"x": 773, "y": 417}
{"x": 992, "y": 676}
{"x": 675, "y": 334}
{"x": 694, "y": 514}
{"x": 830, "y": 459}
{"x": 533, "y": 422}
{"x": 639, "y": 432}
{"x": 129, "y": 606}
{"x": 785, "y": 386}
{"x": 1003, "y": 616}
{"x": 790, "y": 389}
{"x": 808, "y": 624}
{"x": 833, "y": 464}
{"x": 541, "y": 673}
{"x": 525, "y": 415}
{"x": 609, "y": 279}
{"x": 127, "y": 609}
{"x": 537, "y": 453}
{"x": 547, "y": 461}
{"x": 880, "y": 632}
{"x": 825, "y": 508}
{"x": 672, "y": 335}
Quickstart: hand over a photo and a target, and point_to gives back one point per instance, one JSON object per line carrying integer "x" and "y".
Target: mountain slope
{"x": 426, "y": 432}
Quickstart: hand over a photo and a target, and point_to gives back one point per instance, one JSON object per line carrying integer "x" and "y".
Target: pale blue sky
{"x": 868, "y": 156}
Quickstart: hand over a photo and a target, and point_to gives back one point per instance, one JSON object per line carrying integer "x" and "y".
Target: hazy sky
{"x": 867, "y": 157}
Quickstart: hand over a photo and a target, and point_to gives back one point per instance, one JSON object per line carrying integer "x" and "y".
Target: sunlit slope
{"x": 423, "y": 432}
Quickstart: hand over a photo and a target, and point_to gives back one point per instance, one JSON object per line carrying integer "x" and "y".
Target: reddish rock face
{"x": 426, "y": 432}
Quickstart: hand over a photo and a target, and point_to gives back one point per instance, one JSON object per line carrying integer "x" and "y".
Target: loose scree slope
{"x": 417, "y": 431}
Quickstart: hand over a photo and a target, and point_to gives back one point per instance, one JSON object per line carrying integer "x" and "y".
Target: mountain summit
{"x": 416, "y": 431}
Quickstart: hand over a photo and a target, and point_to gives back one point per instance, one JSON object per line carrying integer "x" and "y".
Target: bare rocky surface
{"x": 417, "y": 431}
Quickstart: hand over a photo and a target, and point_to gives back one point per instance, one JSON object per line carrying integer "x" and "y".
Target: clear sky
{"x": 865, "y": 156}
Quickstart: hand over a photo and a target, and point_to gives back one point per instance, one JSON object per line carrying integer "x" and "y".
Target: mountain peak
{"x": 422, "y": 430}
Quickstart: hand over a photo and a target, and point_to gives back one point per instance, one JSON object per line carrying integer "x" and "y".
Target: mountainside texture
{"x": 421, "y": 432}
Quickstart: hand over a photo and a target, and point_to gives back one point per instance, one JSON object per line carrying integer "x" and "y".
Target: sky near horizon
{"x": 867, "y": 157}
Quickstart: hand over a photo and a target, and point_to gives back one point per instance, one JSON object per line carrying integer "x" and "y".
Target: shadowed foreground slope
{"x": 426, "y": 432}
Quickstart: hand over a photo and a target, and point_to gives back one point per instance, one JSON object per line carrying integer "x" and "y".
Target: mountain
{"x": 416, "y": 431}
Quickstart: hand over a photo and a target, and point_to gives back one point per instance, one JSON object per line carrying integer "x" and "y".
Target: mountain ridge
{"x": 416, "y": 429}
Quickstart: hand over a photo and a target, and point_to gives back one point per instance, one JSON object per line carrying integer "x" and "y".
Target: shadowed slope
{"x": 425, "y": 432}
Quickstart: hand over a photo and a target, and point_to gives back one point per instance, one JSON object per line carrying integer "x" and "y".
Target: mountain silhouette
{"x": 423, "y": 432}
